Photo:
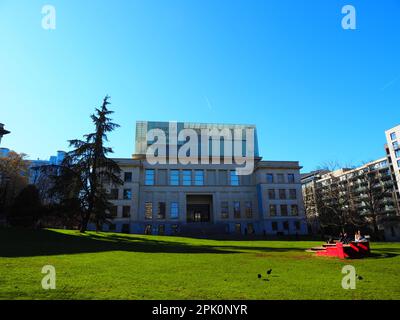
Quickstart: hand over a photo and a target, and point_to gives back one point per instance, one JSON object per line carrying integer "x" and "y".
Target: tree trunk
{"x": 84, "y": 223}
{"x": 376, "y": 230}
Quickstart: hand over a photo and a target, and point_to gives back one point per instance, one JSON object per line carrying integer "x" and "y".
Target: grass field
{"x": 117, "y": 266}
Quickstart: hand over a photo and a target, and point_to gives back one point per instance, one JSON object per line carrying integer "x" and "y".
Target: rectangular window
{"x": 250, "y": 228}
{"x": 297, "y": 225}
{"x": 112, "y": 227}
{"x": 284, "y": 210}
{"x": 127, "y": 194}
{"x": 236, "y": 209}
{"x": 126, "y": 211}
{"x": 271, "y": 194}
{"x": 274, "y": 226}
{"x": 149, "y": 178}
{"x": 161, "y": 211}
{"x": 199, "y": 177}
{"x": 294, "y": 210}
{"x": 238, "y": 228}
{"x": 272, "y": 210}
{"x": 397, "y": 153}
{"x": 398, "y": 163}
{"x": 187, "y": 177}
{"x": 395, "y": 145}
{"x": 174, "y": 210}
{"x": 270, "y": 178}
{"x": 128, "y": 177}
{"x": 249, "y": 209}
{"x": 282, "y": 194}
{"x": 174, "y": 177}
{"x": 292, "y": 194}
{"x": 234, "y": 178}
{"x": 114, "y": 211}
{"x": 290, "y": 178}
{"x": 286, "y": 225}
{"x": 113, "y": 194}
{"x": 148, "y": 209}
{"x": 393, "y": 136}
{"x": 281, "y": 178}
{"x": 224, "y": 210}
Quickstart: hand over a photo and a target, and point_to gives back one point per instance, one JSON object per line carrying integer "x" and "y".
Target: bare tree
{"x": 374, "y": 196}
{"x": 335, "y": 204}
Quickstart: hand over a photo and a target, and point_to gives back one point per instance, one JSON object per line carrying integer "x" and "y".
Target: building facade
{"x": 206, "y": 198}
{"x": 34, "y": 166}
{"x": 393, "y": 156}
{"x": 358, "y": 195}
{"x": 309, "y": 190}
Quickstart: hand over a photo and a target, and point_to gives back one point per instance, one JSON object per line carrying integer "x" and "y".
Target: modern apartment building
{"x": 35, "y": 166}
{"x": 309, "y": 190}
{"x": 371, "y": 189}
{"x": 206, "y": 197}
{"x": 367, "y": 191}
{"x": 393, "y": 155}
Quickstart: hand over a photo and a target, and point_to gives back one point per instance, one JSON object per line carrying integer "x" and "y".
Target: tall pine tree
{"x": 85, "y": 171}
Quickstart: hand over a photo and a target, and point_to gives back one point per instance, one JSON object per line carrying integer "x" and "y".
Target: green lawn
{"x": 117, "y": 266}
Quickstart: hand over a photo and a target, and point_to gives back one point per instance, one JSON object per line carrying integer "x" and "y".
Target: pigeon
{"x": 259, "y": 276}
{"x": 269, "y": 271}
{"x": 360, "y": 278}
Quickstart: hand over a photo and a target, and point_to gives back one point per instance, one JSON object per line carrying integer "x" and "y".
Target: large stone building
{"x": 206, "y": 198}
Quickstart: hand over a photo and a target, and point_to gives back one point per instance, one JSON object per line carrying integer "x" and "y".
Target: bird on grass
{"x": 359, "y": 277}
{"x": 269, "y": 271}
{"x": 259, "y": 276}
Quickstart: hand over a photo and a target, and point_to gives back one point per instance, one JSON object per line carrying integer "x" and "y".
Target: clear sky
{"x": 315, "y": 91}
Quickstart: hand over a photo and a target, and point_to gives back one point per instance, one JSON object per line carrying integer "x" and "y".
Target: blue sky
{"x": 315, "y": 91}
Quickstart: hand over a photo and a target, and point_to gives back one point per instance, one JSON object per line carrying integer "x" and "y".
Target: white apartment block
{"x": 393, "y": 154}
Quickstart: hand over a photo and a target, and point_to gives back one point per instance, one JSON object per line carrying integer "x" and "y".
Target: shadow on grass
{"x": 27, "y": 243}
{"x": 384, "y": 254}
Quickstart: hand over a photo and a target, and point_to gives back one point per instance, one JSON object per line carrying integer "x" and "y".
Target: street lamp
{"x": 3, "y": 131}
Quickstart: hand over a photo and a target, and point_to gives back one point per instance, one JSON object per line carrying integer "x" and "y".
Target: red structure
{"x": 353, "y": 250}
